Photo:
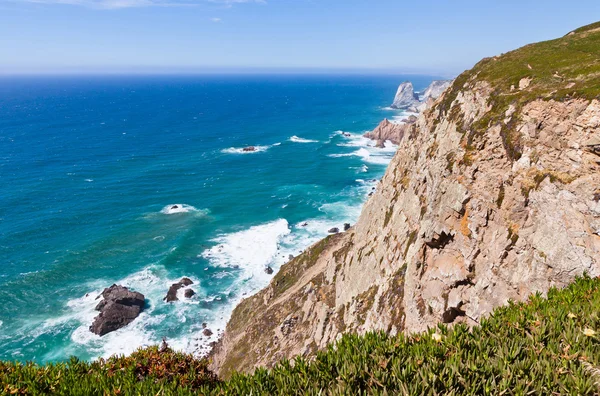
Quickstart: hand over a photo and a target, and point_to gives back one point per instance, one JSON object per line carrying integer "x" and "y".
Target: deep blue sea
{"x": 92, "y": 167}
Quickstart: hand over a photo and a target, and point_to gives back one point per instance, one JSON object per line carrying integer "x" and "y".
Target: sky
{"x": 181, "y": 36}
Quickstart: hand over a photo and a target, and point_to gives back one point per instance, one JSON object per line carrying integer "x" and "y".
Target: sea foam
{"x": 179, "y": 208}
{"x": 297, "y": 139}
{"x": 240, "y": 150}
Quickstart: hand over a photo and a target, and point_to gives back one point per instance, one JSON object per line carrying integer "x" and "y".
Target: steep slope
{"x": 494, "y": 194}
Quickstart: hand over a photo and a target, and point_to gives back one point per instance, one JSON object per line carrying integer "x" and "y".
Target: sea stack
{"x": 405, "y": 96}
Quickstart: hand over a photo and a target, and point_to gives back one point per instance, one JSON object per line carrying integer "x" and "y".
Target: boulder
{"x": 249, "y": 149}
{"x": 333, "y": 230}
{"x": 189, "y": 293}
{"x": 207, "y": 332}
{"x": 346, "y": 226}
{"x": 269, "y": 270}
{"x": 118, "y": 308}
{"x": 172, "y": 293}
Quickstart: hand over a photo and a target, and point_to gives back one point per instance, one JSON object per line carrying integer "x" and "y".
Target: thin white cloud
{"x": 117, "y": 4}
{"x": 216, "y": 20}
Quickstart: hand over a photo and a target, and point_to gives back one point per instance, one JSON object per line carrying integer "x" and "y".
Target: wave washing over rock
{"x": 492, "y": 196}
{"x": 297, "y": 139}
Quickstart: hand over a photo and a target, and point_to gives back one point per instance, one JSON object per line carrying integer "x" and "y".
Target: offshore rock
{"x": 119, "y": 307}
{"x": 405, "y": 96}
{"x": 172, "y": 293}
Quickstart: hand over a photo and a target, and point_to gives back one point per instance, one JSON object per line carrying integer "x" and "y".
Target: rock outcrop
{"x": 435, "y": 89}
{"x": 493, "y": 195}
{"x": 387, "y": 130}
{"x": 405, "y": 96}
{"x": 172, "y": 293}
{"x": 118, "y": 308}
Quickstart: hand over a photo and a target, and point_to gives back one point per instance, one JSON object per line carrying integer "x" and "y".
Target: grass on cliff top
{"x": 560, "y": 69}
{"x": 542, "y": 346}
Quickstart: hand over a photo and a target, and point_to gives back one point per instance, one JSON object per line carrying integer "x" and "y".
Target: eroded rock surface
{"x": 172, "y": 293}
{"x": 472, "y": 212}
{"x": 119, "y": 307}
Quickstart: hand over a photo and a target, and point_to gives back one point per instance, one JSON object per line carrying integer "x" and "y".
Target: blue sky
{"x": 434, "y": 36}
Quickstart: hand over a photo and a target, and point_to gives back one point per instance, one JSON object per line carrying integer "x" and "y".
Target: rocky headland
{"x": 406, "y": 99}
{"x": 492, "y": 196}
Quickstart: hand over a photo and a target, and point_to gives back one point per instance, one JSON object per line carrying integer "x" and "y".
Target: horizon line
{"x": 228, "y": 70}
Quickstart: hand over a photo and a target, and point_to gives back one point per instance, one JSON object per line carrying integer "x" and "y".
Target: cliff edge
{"x": 494, "y": 194}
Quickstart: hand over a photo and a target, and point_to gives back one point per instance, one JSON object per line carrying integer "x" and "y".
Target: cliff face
{"x": 494, "y": 194}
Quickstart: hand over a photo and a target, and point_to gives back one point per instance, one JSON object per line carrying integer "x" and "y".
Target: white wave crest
{"x": 179, "y": 208}
{"x": 246, "y": 149}
{"x": 252, "y": 250}
{"x": 297, "y": 139}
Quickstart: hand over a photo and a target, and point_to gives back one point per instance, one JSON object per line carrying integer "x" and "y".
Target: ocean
{"x": 142, "y": 180}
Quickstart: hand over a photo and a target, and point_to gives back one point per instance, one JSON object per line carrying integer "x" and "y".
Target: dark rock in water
{"x": 346, "y": 226}
{"x": 291, "y": 257}
{"x": 333, "y": 230}
{"x": 207, "y": 332}
{"x": 174, "y": 207}
{"x": 204, "y": 325}
{"x": 119, "y": 307}
{"x": 249, "y": 149}
{"x": 172, "y": 293}
{"x": 269, "y": 270}
{"x": 303, "y": 224}
{"x": 189, "y": 293}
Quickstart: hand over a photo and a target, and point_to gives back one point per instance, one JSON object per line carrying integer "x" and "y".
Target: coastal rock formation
{"x": 172, "y": 293}
{"x": 118, "y": 308}
{"x": 405, "y": 96}
{"x": 387, "y": 130}
{"x": 249, "y": 149}
{"x": 492, "y": 196}
{"x": 435, "y": 89}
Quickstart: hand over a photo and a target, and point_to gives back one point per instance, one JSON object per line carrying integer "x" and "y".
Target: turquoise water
{"x": 90, "y": 168}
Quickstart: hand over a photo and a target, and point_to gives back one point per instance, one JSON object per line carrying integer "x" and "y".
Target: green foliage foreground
{"x": 542, "y": 346}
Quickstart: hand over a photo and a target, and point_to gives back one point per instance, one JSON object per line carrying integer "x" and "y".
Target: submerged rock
{"x": 249, "y": 149}
{"x": 118, "y": 308}
{"x": 172, "y": 293}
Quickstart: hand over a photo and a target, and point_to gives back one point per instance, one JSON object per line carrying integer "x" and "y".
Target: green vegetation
{"x": 565, "y": 68}
{"x": 541, "y": 346}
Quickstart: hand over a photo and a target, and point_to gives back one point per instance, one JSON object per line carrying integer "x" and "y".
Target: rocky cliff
{"x": 494, "y": 194}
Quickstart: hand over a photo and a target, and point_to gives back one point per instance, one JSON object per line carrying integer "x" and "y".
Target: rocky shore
{"x": 492, "y": 196}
